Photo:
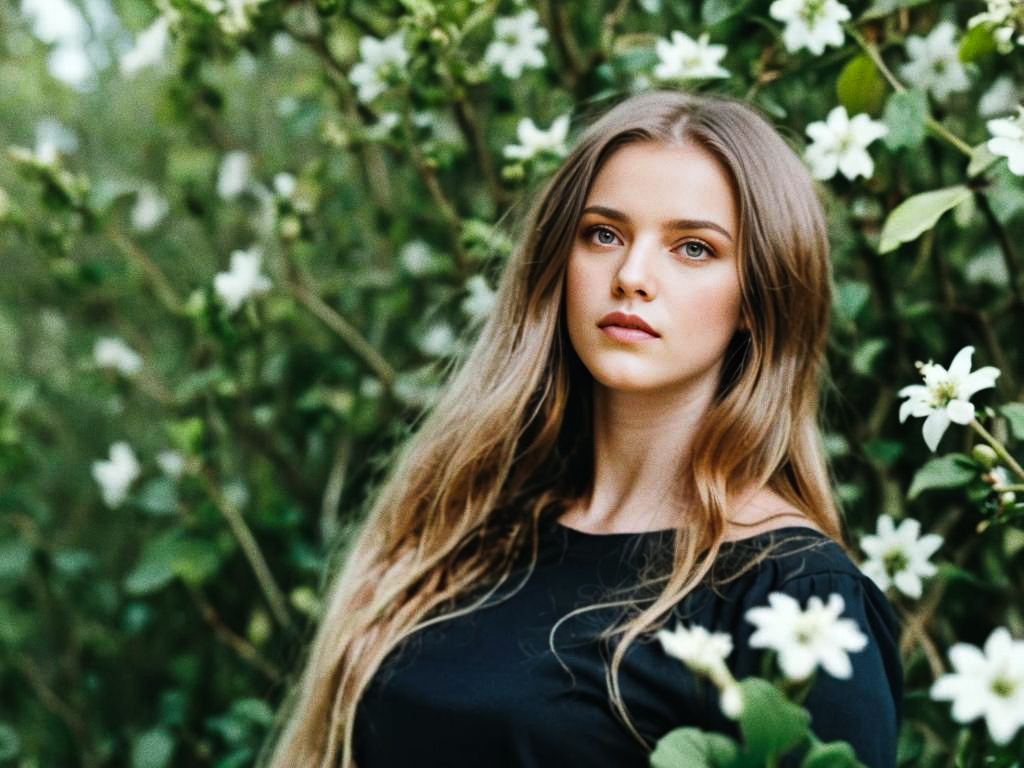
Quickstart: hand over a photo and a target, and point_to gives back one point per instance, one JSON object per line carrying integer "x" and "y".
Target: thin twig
{"x": 998, "y": 447}
{"x": 161, "y": 285}
{"x": 246, "y": 540}
{"x": 348, "y": 332}
{"x": 871, "y": 50}
{"x": 246, "y": 650}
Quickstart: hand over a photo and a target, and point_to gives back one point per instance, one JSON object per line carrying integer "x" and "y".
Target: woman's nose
{"x": 635, "y": 273}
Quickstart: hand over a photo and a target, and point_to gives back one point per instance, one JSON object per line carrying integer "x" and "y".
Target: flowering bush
{"x": 241, "y": 240}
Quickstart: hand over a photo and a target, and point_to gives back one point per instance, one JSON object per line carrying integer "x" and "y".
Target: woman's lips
{"x": 620, "y": 333}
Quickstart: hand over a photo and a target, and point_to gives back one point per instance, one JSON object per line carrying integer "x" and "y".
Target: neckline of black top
{"x": 589, "y": 541}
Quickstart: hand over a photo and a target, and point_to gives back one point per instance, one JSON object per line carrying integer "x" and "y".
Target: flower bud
{"x": 984, "y": 455}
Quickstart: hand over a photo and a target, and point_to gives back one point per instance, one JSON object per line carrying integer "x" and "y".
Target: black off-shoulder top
{"x": 485, "y": 689}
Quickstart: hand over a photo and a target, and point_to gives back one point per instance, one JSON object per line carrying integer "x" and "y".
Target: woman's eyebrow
{"x": 674, "y": 224}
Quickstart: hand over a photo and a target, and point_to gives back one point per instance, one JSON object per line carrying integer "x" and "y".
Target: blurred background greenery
{"x": 242, "y": 242}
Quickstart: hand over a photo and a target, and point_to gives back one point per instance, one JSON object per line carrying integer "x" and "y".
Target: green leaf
{"x": 693, "y": 747}
{"x": 982, "y": 159}
{"x": 155, "y": 568}
{"x": 771, "y": 724}
{"x": 885, "y": 452}
{"x": 15, "y": 557}
{"x": 851, "y": 297}
{"x": 977, "y": 42}
{"x": 152, "y": 749}
{"x": 195, "y": 560}
{"x": 918, "y": 214}
{"x": 837, "y": 754}
{"x": 905, "y": 115}
{"x": 864, "y": 357}
{"x": 860, "y": 87}
{"x": 1014, "y": 413}
{"x": 884, "y": 7}
{"x": 716, "y": 11}
{"x": 10, "y": 744}
{"x": 159, "y": 497}
{"x": 950, "y": 471}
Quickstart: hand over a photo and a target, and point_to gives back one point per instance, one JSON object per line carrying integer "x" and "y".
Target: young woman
{"x": 632, "y": 442}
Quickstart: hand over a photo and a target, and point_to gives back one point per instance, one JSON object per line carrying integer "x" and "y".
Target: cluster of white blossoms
{"x": 149, "y": 210}
{"x": 379, "y": 62}
{"x": 242, "y": 280}
{"x": 439, "y": 340}
{"x": 802, "y": 638}
{"x": 533, "y": 141}
{"x": 480, "y": 300}
{"x": 682, "y": 58}
{"x": 935, "y": 62}
{"x": 898, "y": 556}
{"x": 116, "y": 474}
{"x": 1007, "y": 18}
{"x": 1008, "y": 140}
{"x": 810, "y": 24}
{"x": 517, "y": 44}
{"x": 705, "y": 653}
{"x": 945, "y": 395}
{"x": 112, "y": 352}
{"x": 234, "y": 175}
{"x": 987, "y": 684}
{"x": 150, "y": 47}
{"x": 840, "y": 143}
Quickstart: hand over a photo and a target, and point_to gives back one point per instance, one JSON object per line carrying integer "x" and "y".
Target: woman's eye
{"x": 604, "y": 236}
{"x": 696, "y": 250}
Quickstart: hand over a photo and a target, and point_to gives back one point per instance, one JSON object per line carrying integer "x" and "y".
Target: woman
{"x": 637, "y": 419}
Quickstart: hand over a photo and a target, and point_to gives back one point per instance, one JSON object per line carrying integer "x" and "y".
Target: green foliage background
{"x": 161, "y": 631}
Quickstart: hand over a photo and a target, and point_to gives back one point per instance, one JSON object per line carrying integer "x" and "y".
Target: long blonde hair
{"x": 508, "y": 442}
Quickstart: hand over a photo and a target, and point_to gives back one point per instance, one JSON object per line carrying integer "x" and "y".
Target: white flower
{"x": 533, "y": 141}
{"x": 840, "y": 143}
{"x": 481, "y": 299}
{"x": 1002, "y": 97}
{"x": 702, "y": 650}
{"x": 810, "y": 24}
{"x": 116, "y": 475}
{"x": 379, "y": 59}
{"x": 935, "y": 62}
{"x": 804, "y": 639}
{"x": 112, "y": 352}
{"x": 233, "y": 177}
{"x": 242, "y": 280}
{"x": 416, "y": 258}
{"x": 235, "y": 19}
{"x": 1008, "y": 140}
{"x": 150, "y": 47}
{"x": 438, "y": 341}
{"x": 53, "y": 139}
{"x": 650, "y": 6}
{"x": 517, "y": 43}
{"x": 149, "y": 209}
{"x": 989, "y": 684}
{"x": 284, "y": 185}
{"x": 682, "y": 58}
{"x": 705, "y": 652}
{"x": 898, "y": 557}
{"x": 945, "y": 395}
{"x": 1007, "y": 18}
{"x": 171, "y": 463}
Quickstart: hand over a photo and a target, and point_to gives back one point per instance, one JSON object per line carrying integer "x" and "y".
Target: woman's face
{"x": 657, "y": 240}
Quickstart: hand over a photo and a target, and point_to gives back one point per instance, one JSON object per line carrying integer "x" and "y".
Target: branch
{"x": 273, "y": 594}
{"x": 246, "y": 650}
{"x": 936, "y": 127}
{"x": 348, "y": 332}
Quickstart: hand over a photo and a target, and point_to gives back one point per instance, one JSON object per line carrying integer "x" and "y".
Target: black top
{"x": 485, "y": 689}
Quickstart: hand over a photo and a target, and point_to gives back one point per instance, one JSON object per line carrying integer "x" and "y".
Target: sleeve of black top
{"x": 866, "y": 709}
